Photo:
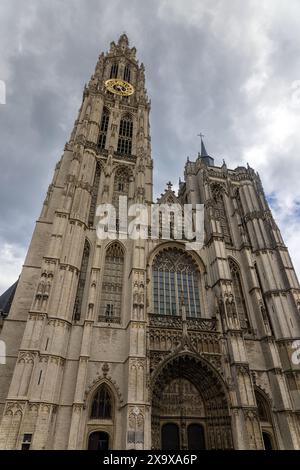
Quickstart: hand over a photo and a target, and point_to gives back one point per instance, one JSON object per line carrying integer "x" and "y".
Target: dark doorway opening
{"x": 170, "y": 437}
{"x": 98, "y": 441}
{"x": 267, "y": 441}
{"x": 196, "y": 440}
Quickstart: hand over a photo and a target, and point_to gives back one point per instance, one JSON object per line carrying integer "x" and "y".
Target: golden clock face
{"x": 119, "y": 87}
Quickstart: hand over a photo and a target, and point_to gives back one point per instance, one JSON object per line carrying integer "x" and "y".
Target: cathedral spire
{"x": 209, "y": 161}
{"x": 203, "y": 149}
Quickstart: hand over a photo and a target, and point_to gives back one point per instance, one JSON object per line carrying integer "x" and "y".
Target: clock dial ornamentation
{"x": 119, "y": 87}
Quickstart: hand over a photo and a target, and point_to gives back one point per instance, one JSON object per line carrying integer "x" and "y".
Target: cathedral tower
{"x": 138, "y": 344}
{"x": 73, "y": 323}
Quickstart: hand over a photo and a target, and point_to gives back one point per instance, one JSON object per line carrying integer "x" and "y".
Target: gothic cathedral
{"x": 140, "y": 343}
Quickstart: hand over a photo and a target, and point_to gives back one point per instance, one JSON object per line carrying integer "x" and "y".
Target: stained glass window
{"x": 175, "y": 281}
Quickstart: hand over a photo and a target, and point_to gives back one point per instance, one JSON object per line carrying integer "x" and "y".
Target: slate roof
{"x": 6, "y": 299}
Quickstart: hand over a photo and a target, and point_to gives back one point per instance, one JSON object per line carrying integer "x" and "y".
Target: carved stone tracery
{"x": 188, "y": 370}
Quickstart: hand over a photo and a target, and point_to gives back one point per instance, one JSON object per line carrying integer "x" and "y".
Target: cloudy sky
{"x": 227, "y": 68}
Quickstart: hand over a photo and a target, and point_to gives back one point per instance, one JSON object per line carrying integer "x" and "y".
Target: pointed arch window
{"x": 81, "y": 282}
{"x": 102, "y": 403}
{"x": 114, "y": 70}
{"x": 94, "y": 194}
{"x": 103, "y": 129}
{"x": 121, "y": 183}
{"x": 121, "y": 188}
{"x": 220, "y": 212}
{"x": 239, "y": 295}
{"x": 111, "y": 294}
{"x": 266, "y": 422}
{"x": 262, "y": 407}
{"x": 176, "y": 281}
{"x": 126, "y": 75}
{"x": 125, "y": 135}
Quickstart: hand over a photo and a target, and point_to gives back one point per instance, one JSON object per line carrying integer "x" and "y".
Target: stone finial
{"x": 105, "y": 369}
{"x": 123, "y": 40}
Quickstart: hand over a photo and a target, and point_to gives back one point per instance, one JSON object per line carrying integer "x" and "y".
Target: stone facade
{"x": 90, "y": 359}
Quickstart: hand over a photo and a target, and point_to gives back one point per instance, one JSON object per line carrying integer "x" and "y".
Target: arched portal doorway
{"x": 189, "y": 406}
{"x": 98, "y": 440}
{"x": 181, "y": 412}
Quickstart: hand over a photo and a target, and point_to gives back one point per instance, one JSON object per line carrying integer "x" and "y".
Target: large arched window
{"x": 111, "y": 294}
{"x": 103, "y": 129}
{"x": 81, "y": 282}
{"x": 125, "y": 135}
{"x": 102, "y": 403}
{"x": 239, "y": 295}
{"x": 176, "y": 280}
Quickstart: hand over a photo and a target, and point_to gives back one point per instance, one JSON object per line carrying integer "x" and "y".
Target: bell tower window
{"x": 125, "y": 135}
{"x": 114, "y": 71}
{"x": 127, "y": 74}
{"x": 103, "y": 129}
